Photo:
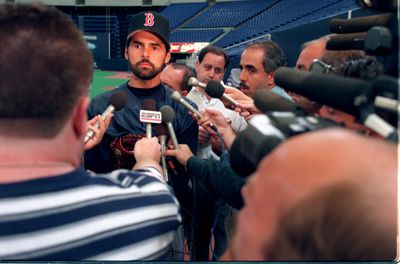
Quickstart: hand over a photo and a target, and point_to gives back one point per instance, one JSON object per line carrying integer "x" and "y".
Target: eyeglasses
{"x": 318, "y": 66}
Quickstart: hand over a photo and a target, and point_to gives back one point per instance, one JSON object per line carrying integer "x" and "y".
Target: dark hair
{"x": 366, "y": 68}
{"x": 214, "y": 50}
{"x": 337, "y": 57}
{"x": 274, "y": 57}
{"x": 187, "y": 74}
{"x": 44, "y": 69}
{"x": 334, "y": 223}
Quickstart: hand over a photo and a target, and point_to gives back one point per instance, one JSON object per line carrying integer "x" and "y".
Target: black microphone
{"x": 353, "y": 41}
{"x": 252, "y": 144}
{"x": 162, "y": 132}
{"x": 359, "y": 24}
{"x": 117, "y": 101}
{"x": 380, "y": 5}
{"x": 350, "y": 95}
{"x": 335, "y": 91}
{"x": 216, "y": 90}
{"x": 147, "y": 105}
{"x": 267, "y": 101}
{"x": 167, "y": 115}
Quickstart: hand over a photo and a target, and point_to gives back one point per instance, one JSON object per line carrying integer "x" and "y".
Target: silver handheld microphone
{"x": 162, "y": 132}
{"x": 194, "y": 82}
{"x": 117, "y": 101}
{"x": 167, "y": 115}
{"x": 178, "y": 97}
{"x": 148, "y": 105}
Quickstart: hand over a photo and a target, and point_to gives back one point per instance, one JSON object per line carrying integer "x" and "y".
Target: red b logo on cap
{"x": 149, "y": 20}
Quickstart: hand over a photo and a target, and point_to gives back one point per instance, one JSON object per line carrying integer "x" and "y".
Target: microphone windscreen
{"x": 149, "y": 104}
{"x": 240, "y": 164}
{"x": 359, "y": 24}
{"x": 118, "y": 100}
{"x": 335, "y": 91}
{"x": 268, "y": 101}
{"x": 161, "y": 129}
{"x": 176, "y": 96}
{"x": 353, "y": 41}
{"x": 167, "y": 113}
{"x": 214, "y": 89}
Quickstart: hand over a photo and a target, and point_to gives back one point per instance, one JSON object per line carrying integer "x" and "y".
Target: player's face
{"x": 147, "y": 55}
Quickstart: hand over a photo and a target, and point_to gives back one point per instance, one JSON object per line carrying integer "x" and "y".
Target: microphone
{"x": 117, "y": 101}
{"x": 336, "y": 91}
{"x": 347, "y": 94}
{"x": 252, "y": 144}
{"x": 194, "y": 82}
{"x": 168, "y": 114}
{"x": 268, "y": 101}
{"x": 359, "y": 24}
{"x": 178, "y": 97}
{"x": 148, "y": 115}
{"x": 353, "y": 41}
{"x": 162, "y": 132}
{"x": 216, "y": 90}
{"x": 380, "y": 5}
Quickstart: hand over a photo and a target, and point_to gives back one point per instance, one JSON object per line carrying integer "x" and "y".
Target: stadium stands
{"x": 198, "y": 35}
{"x": 179, "y": 13}
{"x": 224, "y": 24}
{"x": 229, "y": 14}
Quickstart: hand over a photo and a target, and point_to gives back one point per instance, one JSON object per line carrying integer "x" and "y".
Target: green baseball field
{"x": 107, "y": 80}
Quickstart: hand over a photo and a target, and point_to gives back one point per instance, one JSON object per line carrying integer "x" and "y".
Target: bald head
{"x": 176, "y": 77}
{"x": 311, "y": 50}
{"x": 303, "y": 166}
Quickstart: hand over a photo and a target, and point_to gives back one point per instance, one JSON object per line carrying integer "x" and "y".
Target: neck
{"x": 25, "y": 159}
{"x": 144, "y": 84}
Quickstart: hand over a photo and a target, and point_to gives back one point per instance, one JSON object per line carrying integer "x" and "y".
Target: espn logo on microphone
{"x": 147, "y": 116}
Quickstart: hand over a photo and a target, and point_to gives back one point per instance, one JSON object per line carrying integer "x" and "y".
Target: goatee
{"x": 146, "y": 74}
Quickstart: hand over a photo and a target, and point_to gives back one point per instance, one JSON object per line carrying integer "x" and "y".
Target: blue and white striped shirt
{"x": 124, "y": 215}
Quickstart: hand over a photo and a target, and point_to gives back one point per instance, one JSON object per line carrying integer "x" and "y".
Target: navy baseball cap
{"x": 153, "y": 22}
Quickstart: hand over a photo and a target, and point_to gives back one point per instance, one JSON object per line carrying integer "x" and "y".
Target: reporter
{"x": 216, "y": 176}
{"x": 51, "y": 209}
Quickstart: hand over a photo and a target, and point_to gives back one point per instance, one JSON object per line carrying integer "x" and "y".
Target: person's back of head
{"x": 45, "y": 68}
{"x": 365, "y": 68}
{"x": 187, "y": 73}
{"x": 338, "y": 57}
{"x": 340, "y": 222}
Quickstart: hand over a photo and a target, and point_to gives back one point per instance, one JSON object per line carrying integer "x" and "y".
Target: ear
{"x": 126, "y": 53}
{"x": 79, "y": 118}
{"x": 271, "y": 79}
{"x": 196, "y": 65}
{"x": 167, "y": 57}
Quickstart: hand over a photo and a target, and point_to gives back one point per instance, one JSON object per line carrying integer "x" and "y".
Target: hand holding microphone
{"x": 99, "y": 127}
{"x": 117, "y": 101}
